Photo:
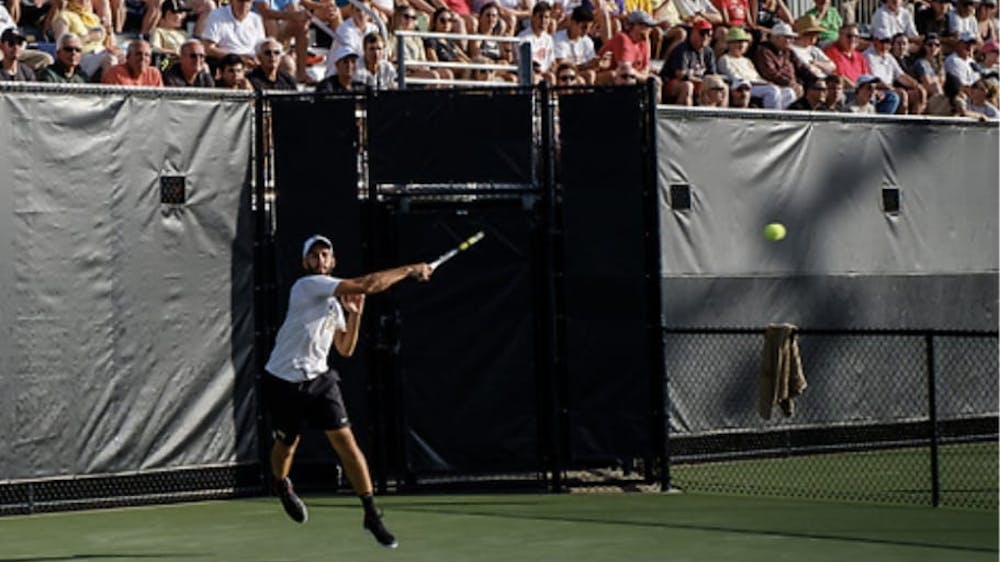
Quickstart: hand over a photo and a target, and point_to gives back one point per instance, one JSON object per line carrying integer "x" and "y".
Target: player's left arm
{"x": 346, "y": 340}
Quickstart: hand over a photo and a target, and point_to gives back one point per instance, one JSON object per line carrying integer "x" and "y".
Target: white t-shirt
{"x": 885, "y": 66}
{"x": 231, "y": 35}
{"x": 306, "y": 335}
{"x": 961, "y": 68}
{"x": 578, "y": 52}
{"x": 541, "y": 48}
{"x": 886, "y": 23}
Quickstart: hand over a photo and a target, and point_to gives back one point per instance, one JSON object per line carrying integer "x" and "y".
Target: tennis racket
{"x": 465, "y": 245}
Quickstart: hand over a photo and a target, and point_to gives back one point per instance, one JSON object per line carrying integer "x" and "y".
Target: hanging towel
{"x": 781, "y": 377}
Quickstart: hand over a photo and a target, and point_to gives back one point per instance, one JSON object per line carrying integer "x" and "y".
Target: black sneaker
{"x": 294, "y": 507}
{"x": 373, "y": 524}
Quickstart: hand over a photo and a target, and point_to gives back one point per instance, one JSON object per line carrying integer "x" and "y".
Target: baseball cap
{"x": 968, "y": 37}
{"x": 343, "y": 51}
{"x": 12, "y": 35}
{"x": 315, "y": 239}
{"x": 866, "y": 79}
{"x": 640, "y": 16}
{"x": 782, "y": 29}
{"x": 701, "y": 24}
{"x": 174, "y": 6}
{"x": 740, "y": 82}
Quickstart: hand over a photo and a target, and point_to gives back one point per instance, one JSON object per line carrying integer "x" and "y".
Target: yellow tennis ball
{"x": 463, "y": 245}
{"x": 775, "y": 231}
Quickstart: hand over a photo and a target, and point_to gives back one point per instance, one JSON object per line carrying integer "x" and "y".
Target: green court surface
{"x": 515, "y": 528}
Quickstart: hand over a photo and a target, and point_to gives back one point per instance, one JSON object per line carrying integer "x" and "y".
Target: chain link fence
{"x": 897, "y": 417}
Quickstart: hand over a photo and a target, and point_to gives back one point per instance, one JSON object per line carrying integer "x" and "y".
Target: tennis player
{"x": 299, "y": 387}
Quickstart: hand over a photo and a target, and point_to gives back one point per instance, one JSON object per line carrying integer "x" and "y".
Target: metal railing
{"x": 522, "y": 66}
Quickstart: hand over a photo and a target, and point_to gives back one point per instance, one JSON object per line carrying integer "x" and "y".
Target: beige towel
{"x": 781, "y": 378}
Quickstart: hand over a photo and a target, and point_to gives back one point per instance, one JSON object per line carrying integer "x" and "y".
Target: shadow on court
{"x": 446, "y": 509}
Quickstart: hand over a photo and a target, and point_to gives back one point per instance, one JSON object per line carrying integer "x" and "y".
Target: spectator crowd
{"x": 926, "y": 57}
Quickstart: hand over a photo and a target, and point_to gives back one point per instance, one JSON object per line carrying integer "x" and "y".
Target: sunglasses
{"x": 196, "y": 56}
{"x": 409, "y": 16}
{"x": 273, "y": 52}
{"x": 567, "y": 77}
{"x": 73, "y": 49}
{"x": 446, "y": 20}
{"x": 705, "y": 32}
{"x": 627, "y": 77}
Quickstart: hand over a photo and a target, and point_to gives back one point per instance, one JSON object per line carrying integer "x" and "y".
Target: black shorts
{"x": 317, "y": 403}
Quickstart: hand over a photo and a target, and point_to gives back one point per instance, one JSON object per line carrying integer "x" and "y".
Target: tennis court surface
{"x": 574, "y": 527}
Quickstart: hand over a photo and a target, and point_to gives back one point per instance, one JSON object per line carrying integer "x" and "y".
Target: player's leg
{"x": 356, "y": 469}
{"x": 282, "y": 402}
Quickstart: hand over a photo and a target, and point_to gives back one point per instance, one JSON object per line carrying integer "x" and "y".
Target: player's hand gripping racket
{"x": 465, "y": 245}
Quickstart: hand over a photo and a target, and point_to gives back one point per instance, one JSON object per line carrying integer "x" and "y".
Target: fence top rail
{"x": 462, "y": 36}
{"x": 840, "y": 331}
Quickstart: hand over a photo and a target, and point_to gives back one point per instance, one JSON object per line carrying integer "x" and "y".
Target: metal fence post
{"x": 932, "y": 415}
{"x": 525, "y": 75}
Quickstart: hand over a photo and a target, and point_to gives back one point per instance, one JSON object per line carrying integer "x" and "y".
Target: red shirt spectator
{"x": 135, "y": 71}
{"x": 734, "y": 12}
{"x": 844, "y": 53}
{"x": 631, "y": 45}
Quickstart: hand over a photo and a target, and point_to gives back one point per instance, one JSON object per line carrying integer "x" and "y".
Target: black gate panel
{"x": 433, "y": 137}
{"x": 607, "y": 308}
{"x": 316, "y": 186}
{"x": 466, "y": 358}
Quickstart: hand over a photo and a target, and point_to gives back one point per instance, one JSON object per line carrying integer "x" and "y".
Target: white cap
{"x": 782, "y": 29}
{"x": 343, "y": 51}
{"x": 740, "y": 82}
{"x": 315, "y": 238}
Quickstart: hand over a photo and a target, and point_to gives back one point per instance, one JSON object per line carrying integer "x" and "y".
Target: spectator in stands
{"x": 170, "y": 34}
{"x": 714, "y": 91}
{"x": 692, "y": 11}
{"x": 631, "y": 45}
{"x": 835, "y": 99}
{"x": 928, "y": 66}
{"x": 775, "y": 62}
{"x": 812, "y": 58}
{"x": 829, "y": 21}
{"x": 136, "y": 70}
{"x": 445, "y": 50}
{"x": 979, "y": 95}
{"x": 688, "y": 63}
{"x": 912, "y": 96}
{"x": 573, "y": 45}
{"x": 849, "y": 61}
{"x": 11, "y": 69}
{"x": 739, "y": 95}
{"x": 190, "y": 70}
{"x": 568, "y": 75}
{"x": 891, "y": 18}
{"x": 735, "y": 13}
{"x": 375, "y": 71}
{"x": 491, "y": 24}
{"x": 346, "y": 62}
{"x": 66, "y": 68}
{"x": 986, "y": 16}
{"x": 99, "y": 50}
{"x": 814, "y": 98}
{"x": 269, "y": 75}
{"x": 765, "y": 14}
{"x": 234, "y": 29}
{"x": 736, "y": 66}
{"x": 962, "y": 19}
{"x": 960, "y": 62}
{"x": 625, "y": 75}
{"x": 864, "y": 94}
{"x": 514, "y": 13}
{"x": 952, "y": 101}
{"x": 405, "y": 19}
{"x": 933, "y": 18}
{"x": 989, "y": 67}
{"x": 542, "y": 46}
{"x": 232, "y": 73}
{"x": 288, "y": 22}
{"x": 900, "y": 50}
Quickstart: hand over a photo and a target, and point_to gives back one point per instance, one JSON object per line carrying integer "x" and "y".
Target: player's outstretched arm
{"x": 381, "y": 280}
